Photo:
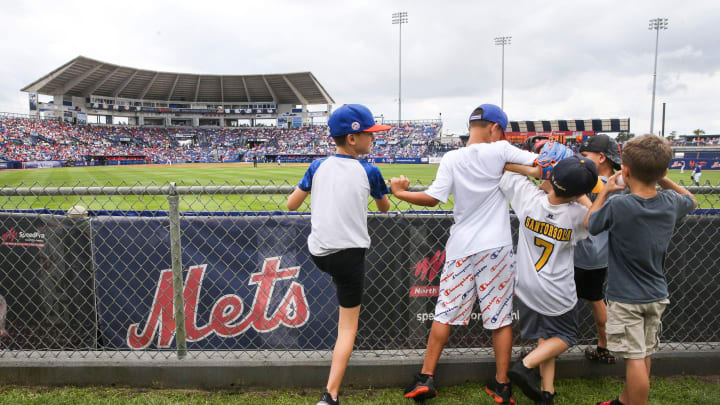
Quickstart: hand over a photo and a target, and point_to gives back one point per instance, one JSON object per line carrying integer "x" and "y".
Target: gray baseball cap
{"x": 603, "y": 144}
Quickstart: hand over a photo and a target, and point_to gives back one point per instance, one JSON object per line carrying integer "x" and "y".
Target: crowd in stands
{"x": 30, "y": 139}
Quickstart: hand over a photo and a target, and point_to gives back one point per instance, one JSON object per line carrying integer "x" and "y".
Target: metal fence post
{"x": 176, "y": 254}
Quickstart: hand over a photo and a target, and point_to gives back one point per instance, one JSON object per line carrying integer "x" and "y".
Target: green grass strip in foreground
{"x": 663, "y": 391}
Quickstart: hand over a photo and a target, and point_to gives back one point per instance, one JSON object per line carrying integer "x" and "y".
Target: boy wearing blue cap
{"x": 341, "y": 185}
{"x": 480, "y": 262}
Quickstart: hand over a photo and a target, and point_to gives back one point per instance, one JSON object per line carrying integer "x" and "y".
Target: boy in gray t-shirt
{"x": 640, "y": 226}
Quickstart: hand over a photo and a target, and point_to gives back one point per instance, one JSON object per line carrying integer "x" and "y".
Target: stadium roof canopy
{"x": 83, "y": 77}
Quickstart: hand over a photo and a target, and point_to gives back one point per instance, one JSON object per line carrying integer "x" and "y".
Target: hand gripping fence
{"x": 223, "y": 271}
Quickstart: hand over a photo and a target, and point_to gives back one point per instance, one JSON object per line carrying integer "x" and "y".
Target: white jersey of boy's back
{"x": 481, "y": 213}
{"x": 547, "y": 236}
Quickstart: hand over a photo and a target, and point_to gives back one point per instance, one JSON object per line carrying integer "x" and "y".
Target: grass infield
{"x": 217, "y": 174}
{"x": 663, "y": 391}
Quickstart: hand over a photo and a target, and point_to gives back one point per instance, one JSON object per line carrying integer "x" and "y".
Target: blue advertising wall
{"x": 235, "y": 251}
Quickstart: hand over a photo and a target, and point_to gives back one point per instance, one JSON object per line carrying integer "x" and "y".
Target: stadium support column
{"x": 141, "y": 120}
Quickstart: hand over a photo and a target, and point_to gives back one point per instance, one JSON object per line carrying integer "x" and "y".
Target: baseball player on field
{"x": 550, "y": 226}
{"x": 480, "y": 262}
{"x": 640, "y": 225}
{"x": 339, "y": 188}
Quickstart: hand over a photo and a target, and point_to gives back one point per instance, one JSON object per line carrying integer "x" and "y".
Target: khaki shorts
{"x": 633, "y": 330}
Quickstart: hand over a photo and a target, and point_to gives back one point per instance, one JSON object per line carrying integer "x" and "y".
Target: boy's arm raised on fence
{"x": 667, "y": 184}
{"x": 533, "y": 171}
{"x": 296, "y": 199}
{"x": 382, "y": 204}
{"x": 399, "y": 186}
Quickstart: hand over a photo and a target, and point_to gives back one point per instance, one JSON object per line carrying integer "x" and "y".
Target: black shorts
{"x": 534, "y": 325}
{"x": 347, "y": 268}
{"x": 590, "y": 284}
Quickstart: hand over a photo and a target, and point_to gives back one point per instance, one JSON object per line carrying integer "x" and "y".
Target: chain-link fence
{"x": 107, "y": 271}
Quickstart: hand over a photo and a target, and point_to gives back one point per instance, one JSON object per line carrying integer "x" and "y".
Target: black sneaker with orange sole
{"x": 422, "y": 387}
{"x": 501, "y": 392}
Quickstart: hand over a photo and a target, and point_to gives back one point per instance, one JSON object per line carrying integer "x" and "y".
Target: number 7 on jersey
{"x": 547, "y": 251}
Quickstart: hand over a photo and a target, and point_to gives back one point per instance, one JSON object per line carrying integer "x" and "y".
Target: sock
{"x": 426, "y": 376}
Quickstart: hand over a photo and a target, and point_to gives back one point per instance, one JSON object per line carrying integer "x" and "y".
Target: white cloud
{"x": 568, "y": 59}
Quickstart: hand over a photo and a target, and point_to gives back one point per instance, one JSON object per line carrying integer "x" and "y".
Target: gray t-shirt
{"x": 639, "y": 233}
{"x": 592, "y": 253}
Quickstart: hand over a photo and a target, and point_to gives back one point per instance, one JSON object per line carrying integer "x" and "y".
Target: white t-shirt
{"x": 481, "y": 213}
{"x": 547, "y": 235}
{"x": 340, "y": 186}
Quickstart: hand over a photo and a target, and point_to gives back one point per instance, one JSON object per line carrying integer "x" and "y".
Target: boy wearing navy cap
{"x": 550, "y": 227}
{"x": 341, "y": 185}
{"x": 591, "y": 254}
{"x": 480, "y": 262}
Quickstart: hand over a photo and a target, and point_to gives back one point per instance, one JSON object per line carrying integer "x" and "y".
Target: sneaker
{"x": 422, "y": 387}
{"x": 501, "y": 392}
{"x": 548, "y": 399}
{"x": 600, "y": 355}
{"x": 527, "y": 380}
{"x": 326, "y": 399}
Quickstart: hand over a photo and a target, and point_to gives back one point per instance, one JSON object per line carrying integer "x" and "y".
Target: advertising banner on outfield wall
{"x": 689, "y": 164}
{"x": 46, "y": 283}
{"x": 249, "y": 284}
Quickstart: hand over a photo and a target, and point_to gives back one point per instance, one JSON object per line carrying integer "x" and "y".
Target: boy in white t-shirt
{"x": 341, "y": 186}
{"x": 480, "y": 262}
{"x": 550, "y": 226}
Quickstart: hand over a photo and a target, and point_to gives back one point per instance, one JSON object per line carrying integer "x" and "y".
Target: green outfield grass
{"x": 227, "y": 174}
{"x": 663, "y": 391}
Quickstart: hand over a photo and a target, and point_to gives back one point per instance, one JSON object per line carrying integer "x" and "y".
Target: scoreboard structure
{"x": 564, "y": 130}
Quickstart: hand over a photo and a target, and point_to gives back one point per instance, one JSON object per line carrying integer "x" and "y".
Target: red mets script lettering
{"x": 429, "y": 267}
{"x": 292, "y": 312}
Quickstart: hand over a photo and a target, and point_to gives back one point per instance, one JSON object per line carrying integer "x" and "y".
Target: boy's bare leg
{"x": 546, "y": 349}
{"x": 599, "y": 311}
{"x": 547, "y": 374}
{"x": 502, "y": 345}
{"x": 347, "y": 329}
{"x": 439, "y": 334}
{"x": 637, "y": 382}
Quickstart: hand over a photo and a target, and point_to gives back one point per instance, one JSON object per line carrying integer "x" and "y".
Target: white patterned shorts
{"x": 488, "y": 276}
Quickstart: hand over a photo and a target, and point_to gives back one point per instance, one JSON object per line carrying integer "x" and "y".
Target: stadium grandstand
{"x": 101, "y": 113}
{"x": 25, "y": 139}
{"x": 104, "y": 92}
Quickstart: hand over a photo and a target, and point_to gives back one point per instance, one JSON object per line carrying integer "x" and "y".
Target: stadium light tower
{"x": 502, "y": 41}
{"x": 400, "y": 18}
{"x": 656, "y": 24}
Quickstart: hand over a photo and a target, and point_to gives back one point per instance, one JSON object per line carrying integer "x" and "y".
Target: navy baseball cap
{"x": 573, "y": 176}
{"x": 603, "y": 144}
{"x": 351, "y": 119}
{"x": 492, "y": 113}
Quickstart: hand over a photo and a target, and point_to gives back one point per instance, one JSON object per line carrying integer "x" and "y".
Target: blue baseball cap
{"x": 353, "y": 118}
{"x": 492, "y": 113}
